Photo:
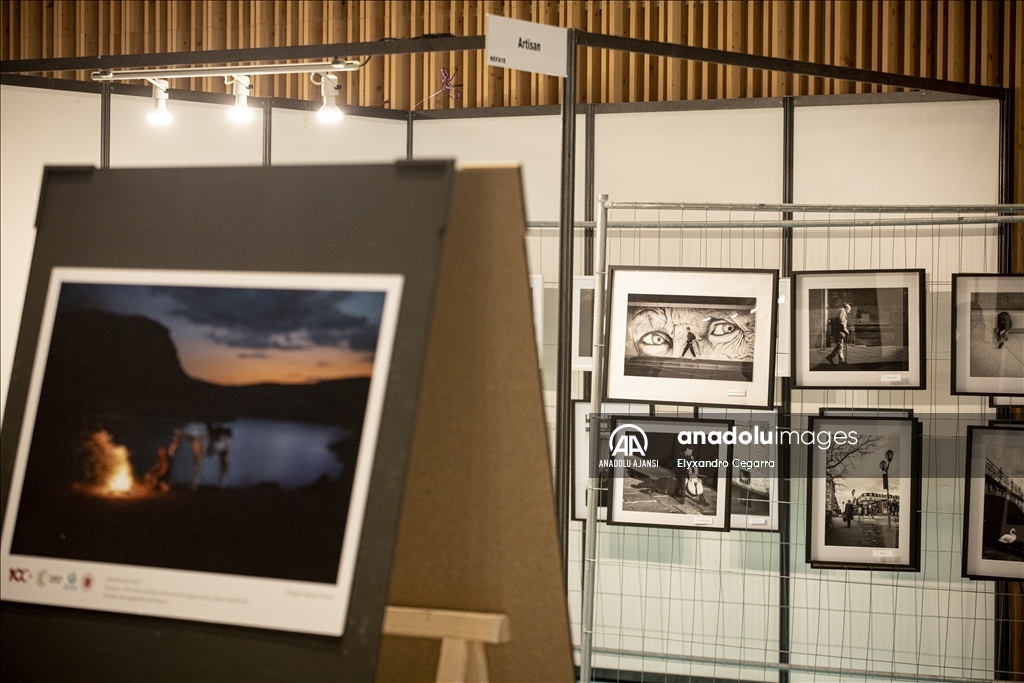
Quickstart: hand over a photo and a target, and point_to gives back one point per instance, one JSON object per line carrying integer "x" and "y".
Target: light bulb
{"x": 329, "y": 112}
{"x": 159, "y": 116}
{"x": 240, "y": 112}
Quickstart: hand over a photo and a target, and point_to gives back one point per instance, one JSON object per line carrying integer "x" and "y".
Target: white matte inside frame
{"x": 967, "y": 346}
{"x": 762, "y": 286}
{"x": 994, "y": 444}
{"x": 256, "y": 601}
{"x": 911, "y": 280}
{"x": 903, "y": 432}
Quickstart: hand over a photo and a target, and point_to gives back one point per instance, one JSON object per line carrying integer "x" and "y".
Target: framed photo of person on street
{"x": 859, "y": 329}
{"x": 863, "y": 493}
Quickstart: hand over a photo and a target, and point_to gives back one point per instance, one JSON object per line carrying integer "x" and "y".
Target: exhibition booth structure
{"x": 777, "y": 417}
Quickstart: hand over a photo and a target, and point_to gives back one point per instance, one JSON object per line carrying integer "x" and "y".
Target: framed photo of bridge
{"x": 993, "y": 538}
{"x": 987, "y": 345}
{"x": 858, "y": 329}
{"x": 692, "y": 336}
{"x": 863, "y": 492}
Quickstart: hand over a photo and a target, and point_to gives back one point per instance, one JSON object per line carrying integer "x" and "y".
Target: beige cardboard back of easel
{"x": 478, "y": 526}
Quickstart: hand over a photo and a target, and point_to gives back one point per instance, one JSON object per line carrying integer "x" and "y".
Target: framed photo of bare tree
{"x": 994, "y": 504}
{"x": 863, "y": 493}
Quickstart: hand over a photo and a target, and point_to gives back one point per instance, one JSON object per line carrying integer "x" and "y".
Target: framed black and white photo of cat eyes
{"x": 692, "y": 336}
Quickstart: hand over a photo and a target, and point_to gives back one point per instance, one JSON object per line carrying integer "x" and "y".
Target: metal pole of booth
{"x": 563, "y": 377}
{"x": 594, "y": 483}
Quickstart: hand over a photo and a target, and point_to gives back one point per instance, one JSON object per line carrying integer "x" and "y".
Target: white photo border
{"x": 258, "y": 602}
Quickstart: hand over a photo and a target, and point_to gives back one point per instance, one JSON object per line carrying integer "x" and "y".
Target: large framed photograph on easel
{"x": 692, "y": 336}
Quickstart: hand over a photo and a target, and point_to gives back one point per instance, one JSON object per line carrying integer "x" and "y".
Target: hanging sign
{"x": 527, "y": 46}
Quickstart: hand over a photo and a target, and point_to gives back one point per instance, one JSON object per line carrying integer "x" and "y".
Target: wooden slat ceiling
{"x": 975, "y": 42}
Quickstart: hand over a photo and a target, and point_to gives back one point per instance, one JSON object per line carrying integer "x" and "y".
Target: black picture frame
{"x": 1006, "y": 559}
{"x": 868, "y": 545}
{"x": 865, "y": 412}
{"x": 873, "y": 369}
{"x": 736, "y": 366}
{"x": 979, "y": 360}
{"x": 686, "y": 497}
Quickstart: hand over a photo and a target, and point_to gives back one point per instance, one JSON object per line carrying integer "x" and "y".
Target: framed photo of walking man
{"x": 863, "y": 493}
{"x": 859, "y": 329}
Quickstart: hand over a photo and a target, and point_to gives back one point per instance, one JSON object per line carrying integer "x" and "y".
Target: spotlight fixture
{"x": 329, "y": 112}
{"x": 159, "y": 116}
{"x": 240, "y": 113}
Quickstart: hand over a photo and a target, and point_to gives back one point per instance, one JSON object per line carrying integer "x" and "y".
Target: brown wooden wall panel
{"x": 976, "y": 42}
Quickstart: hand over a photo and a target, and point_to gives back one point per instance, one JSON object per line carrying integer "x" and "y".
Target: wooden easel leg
{"x": 451, "y": 666}
{"x": 476, "y": 666}
{"x": 462, "y": 661}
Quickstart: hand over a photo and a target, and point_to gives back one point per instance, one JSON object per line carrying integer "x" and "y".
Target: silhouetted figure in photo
{"x": 840, "y": 330}
{"x": 1003, "y": 327}
{"x": 690, "y": 339}
{"x": 848, "y": 512}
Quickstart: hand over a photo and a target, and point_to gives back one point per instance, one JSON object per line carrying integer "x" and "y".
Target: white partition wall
{"x": 690, "y": 156}
{"x": 298, "y": 137}
{"x": 37, "y": 128}
{"x": 200, "y": 134}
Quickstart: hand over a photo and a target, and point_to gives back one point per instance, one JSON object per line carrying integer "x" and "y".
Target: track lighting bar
{"x": 199, "y": 71}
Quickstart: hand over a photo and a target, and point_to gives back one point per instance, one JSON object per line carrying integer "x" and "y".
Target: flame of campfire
{"x": 110, "y": 464}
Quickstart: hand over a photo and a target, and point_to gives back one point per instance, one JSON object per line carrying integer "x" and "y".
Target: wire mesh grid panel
{"x": 687, "y": 605}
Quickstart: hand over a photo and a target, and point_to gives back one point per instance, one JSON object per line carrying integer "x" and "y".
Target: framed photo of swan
{"x": 857, "y": 329}
{"x": 988, "y": 335}
{"x": 994, "y": 504}
{"x": 199, "y": 444}
{"x": 864, "y": 492}
{"x": 670, "y": 472}
{"x": 692, "y": 336}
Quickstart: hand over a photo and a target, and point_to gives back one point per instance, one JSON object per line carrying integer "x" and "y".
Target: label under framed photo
{"x": 689, "y": 336}
{"x": 198, "y": 444}
{"x": 670, "y": 472}
{"x": 993, "y": 547}
{"x": 863, "y": 493}
{"x": 987, "y": 347}
{"x": 858, "y": 329}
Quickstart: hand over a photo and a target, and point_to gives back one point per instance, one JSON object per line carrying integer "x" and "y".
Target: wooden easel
{"x": 478, "y": 532}
{"x": 462, "y": 634}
